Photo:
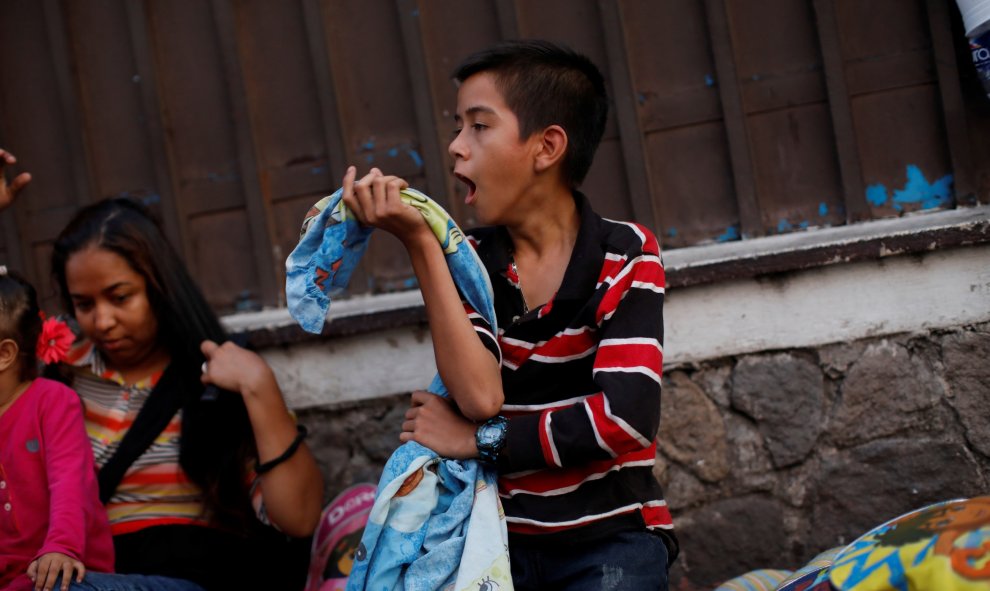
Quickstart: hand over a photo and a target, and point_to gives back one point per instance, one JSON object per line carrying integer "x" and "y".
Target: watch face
{"x": 491, "y": 435}
{"x": 488, "y": 434}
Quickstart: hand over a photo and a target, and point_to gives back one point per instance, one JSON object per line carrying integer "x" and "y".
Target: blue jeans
{"x": 115, "y": 582}
{"x": 628, "y": 561}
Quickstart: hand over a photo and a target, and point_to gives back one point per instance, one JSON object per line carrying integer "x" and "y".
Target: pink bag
{"x": 337, "y": 537}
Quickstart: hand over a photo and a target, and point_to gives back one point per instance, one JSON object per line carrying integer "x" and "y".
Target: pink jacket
{"x": 49, "y": 497}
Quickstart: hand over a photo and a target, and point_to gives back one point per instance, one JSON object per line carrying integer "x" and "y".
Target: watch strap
{"x": 490, "y": 438}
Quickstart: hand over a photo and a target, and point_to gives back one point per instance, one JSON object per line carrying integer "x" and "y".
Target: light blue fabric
{"x": 435, "y": 521}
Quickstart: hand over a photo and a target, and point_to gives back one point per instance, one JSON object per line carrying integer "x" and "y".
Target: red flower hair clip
{"x": 55, "y": 340}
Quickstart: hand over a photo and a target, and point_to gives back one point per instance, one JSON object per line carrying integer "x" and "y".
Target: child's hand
{"x": 375, "y": 201}
{"x": 434, "y": 422}
{"x": 45, "y": 570}
{"x": 236, "y": 369}
{"x": 9, "y": 191}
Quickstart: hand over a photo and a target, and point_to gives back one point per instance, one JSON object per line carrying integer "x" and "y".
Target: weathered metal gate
{"x": 732, "y": 119}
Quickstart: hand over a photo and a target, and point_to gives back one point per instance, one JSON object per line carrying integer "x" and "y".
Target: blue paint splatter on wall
{"x": 731, "y": 233}
{"x": 822, "y": 209}
{"x": 370, "y": 155}
{"x": 416, "y": 157}
{"x": 709, "y": 80}
{"x": 672, "y": 232}
{"x": 917, "y": 190}
{"x": 876, "y": 195}
{"x": 783, "y": 226}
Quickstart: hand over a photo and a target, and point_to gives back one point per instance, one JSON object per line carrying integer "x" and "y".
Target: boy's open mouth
{"x": 470, "y": 187}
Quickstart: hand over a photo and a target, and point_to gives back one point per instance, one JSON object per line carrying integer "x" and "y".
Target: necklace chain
{"x": 522, "y": 296}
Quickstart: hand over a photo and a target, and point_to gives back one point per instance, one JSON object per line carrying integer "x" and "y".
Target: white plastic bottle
{"x": 976, "y": 20}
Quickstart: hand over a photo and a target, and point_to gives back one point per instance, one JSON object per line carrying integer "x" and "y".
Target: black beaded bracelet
{"x": 267, "y": 466}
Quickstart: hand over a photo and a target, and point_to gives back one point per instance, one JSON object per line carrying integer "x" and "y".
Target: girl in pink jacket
{"x": 51, "y": 521}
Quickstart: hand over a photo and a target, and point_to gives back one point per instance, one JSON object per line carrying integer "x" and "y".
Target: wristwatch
{"x": 490, "y": 438}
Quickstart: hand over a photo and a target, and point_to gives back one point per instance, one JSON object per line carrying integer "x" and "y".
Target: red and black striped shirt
{"x": 581, "y": 376}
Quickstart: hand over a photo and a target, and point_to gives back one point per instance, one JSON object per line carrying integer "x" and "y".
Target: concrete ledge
{"x": 686, "y": 267}
{"x": 350, "y": 316}
{"x": 921, "y": 232}
{"x": 353, "y": 368}
{"x": 832, "y": 304}
{"x": 800, "y": 309}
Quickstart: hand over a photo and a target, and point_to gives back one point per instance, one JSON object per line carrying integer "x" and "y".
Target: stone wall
{"x": 769, "y": 458}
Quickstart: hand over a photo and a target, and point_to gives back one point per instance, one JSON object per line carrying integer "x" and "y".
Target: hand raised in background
{"x": 237, "y": 369}
{"x": 9, "y": 191}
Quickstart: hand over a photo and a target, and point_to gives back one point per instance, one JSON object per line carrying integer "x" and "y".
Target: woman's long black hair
{"x": 217, "y": 442}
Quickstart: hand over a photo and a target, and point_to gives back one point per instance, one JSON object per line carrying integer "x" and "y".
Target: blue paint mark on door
{"x": 917, "y": 191}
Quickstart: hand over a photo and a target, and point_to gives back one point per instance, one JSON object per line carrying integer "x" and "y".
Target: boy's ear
{"x": 8, "y": 353}
{"x": 553, "y": 145}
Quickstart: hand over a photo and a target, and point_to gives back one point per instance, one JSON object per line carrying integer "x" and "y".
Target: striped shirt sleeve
{"x": 484, "y": 330}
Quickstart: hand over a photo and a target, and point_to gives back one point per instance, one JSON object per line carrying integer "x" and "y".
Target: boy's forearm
{"x": 466, "y": 367}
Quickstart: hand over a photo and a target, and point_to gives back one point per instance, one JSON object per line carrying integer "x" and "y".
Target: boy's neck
{"x": 542, "y": 244}
{"x": 551, "y": 224}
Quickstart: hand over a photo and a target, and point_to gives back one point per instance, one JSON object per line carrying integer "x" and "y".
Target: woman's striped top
{"x": 155, "y": 490}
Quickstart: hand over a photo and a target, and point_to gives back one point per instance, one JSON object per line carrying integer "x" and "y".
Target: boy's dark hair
{"x": 546, "y": 84}
{"x": 217, "y": 442}
{"x": 20, "y": 320}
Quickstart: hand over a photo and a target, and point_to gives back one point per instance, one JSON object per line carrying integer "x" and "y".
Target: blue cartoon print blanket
{"x": 436, "y": 523}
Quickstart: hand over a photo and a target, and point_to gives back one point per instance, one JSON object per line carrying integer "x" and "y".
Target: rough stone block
{"x": 865, "y": 486}
{"x": 888, "y": 391}
{"x": 715, "y": 379}
{"x": 732, "y": 536}
{"x": 966, "y": 357}
{"x": 784, "y": 393}
{"x": 682, "y": 490}
{"x": 692, "y": 432}
{"x": 749, "y": 460}
{"x": 837, "y": 358}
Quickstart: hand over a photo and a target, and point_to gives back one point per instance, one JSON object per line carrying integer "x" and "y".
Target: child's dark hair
{"x": 217, "y": 442}
{"x": 548, "y": 84}
{"x": 20, "y": 320}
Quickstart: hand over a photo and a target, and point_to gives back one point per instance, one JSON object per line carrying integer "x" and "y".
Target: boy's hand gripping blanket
{"x": 436, "y": 523}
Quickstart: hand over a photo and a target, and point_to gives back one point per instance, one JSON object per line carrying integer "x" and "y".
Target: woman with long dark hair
{"x": 205, "y": 474}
